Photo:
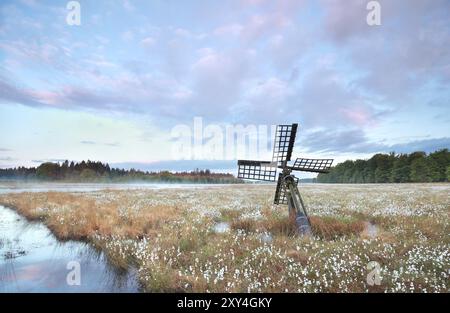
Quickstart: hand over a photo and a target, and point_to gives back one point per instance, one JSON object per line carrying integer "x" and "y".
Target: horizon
{"x": 116, "y": 86}
{"x": 155, "y": 168}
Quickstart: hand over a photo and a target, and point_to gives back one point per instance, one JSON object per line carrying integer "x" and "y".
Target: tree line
{"x": 392, "y": 168}
{"x": 89, "y": 171}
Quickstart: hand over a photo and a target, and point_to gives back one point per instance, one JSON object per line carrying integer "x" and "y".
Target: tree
{"x": 88, "y": 174}
{"x": 384, "y": 165}
{"x": 48, "y": 170}
{"x": 64, "y": 168}
{"x": 400, "y": 170}
{"x": 420, "y": 170}
{"x": 439, "y": 161}
{"x": 382, "y": 168}
{"x": 348, "y": 169}
{"x": 358, "y": 176}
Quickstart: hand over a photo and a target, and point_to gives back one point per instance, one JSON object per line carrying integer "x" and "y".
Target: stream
{"x": 33, "y": 260}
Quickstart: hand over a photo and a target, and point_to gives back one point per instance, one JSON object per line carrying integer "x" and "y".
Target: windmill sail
{"x": 284, "y": 143}
{"x": 312, "y": 165}
{"x": 257, "y": 170}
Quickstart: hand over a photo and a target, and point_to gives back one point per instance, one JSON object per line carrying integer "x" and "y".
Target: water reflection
{"x": 33, "y": 260}
{"x": 221, "y": 227}
{"x": 372, "y": 230}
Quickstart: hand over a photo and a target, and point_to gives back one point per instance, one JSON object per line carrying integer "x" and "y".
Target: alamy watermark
{"x": 73, "y": 278}
{"x": 373, "y": 18}
{"x": 221, "y": 142}
{"x": 74, "y": 15}
{"x": 374, "y": 276}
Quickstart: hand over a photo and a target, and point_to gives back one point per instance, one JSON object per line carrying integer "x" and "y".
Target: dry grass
{"x": 79, "y": 216}
{"x": 168, "y": 235}
{"x": 281, "y": 226}
{"x": 245, "y": 225}
{"x": 332, "y": 228}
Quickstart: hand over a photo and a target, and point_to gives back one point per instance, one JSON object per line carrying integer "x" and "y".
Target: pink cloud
{"x": 358, "y": 115}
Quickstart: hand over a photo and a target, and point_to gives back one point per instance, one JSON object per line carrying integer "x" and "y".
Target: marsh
{"x": 169, "y": 236}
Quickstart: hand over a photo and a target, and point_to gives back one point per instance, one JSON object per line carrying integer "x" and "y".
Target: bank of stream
{"x": 32, "y": 259}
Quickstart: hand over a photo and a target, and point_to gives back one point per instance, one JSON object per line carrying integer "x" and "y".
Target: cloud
{"x": 124, "y": 94}
{"x": 233, "y": 29}
{"x": 286, "y": 49}
{"x": 127, "y": 35}
{"x": 35, "y": 52}
{"x": 260, "y": 26}
{"x": 15, "y": 94}
{"x": 148, "y": 42}
{"x": 112, "y": 144}
{"x": 427, "y": 145}
{"x": 257, "y": 62}
{"x": 31, "y": 3}
{"x": 223, "y": 80}
{"x": 7, "y": 159}
{"x": 217, "y": 84}
{"x": 90, "y": 142}
{"x": 48, "y": 160}
{"x": 4, "y": 150}
{"x": 274, "y": 88}
{"x": 323, "y": 97}
{"x": 404, "y": 54}
{"x": 328, "y": 140}
{"x": 327, "y": 97}
{"x": 128, "y": 6}
{"x": 181, "y": 32}
{"x": 356, "y": 141}
{"x": 345, "y": 19}
{"x": 180, "y": 165}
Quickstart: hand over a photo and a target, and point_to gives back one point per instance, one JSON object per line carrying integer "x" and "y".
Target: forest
{"x": 381, "y": 168}
{"x": 89, "y": 171}
{"x": 392, "y": 168}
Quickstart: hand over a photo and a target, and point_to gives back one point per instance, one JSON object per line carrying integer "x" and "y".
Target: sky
{"x": 116, "y": 86}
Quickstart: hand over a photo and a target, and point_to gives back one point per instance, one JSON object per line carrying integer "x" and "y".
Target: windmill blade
{"x": 257, "y": 170}
{"x": 280, "y": 191}
{"x": 312, "y": 165}
{"x": 284, "y": 142}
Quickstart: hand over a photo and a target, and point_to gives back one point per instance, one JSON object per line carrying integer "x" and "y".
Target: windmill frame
{"x": 286, "y": 191}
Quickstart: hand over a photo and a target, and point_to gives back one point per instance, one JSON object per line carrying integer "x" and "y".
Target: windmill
{"x": 286, "y": 191}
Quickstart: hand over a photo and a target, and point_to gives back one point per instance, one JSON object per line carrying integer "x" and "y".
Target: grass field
{"x": 169, "y": 236}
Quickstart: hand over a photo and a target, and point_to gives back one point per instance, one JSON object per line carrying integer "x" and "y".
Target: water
{"x": 372, "y": 230}
{"x": 14, "y": 187}
{"x": 33, "y": 260}
{"x": 221, "y": 227}
{"x": 266, "y": 238}
{"x": 224, "y": 227}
